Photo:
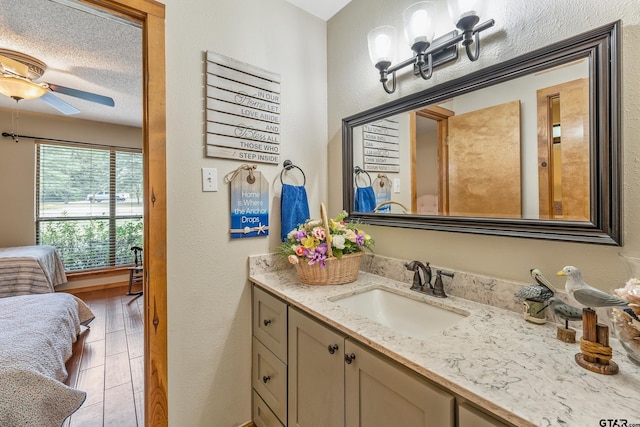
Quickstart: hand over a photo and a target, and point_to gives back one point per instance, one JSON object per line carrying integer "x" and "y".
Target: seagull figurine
{"x": 540, "y": 292}
{"x": 563, "y": 311}
{"x": 589, "y": 296}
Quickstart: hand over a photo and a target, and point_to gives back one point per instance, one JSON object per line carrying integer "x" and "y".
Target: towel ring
{"x": 358, "y": 170}
{"x": 287, "y": 166}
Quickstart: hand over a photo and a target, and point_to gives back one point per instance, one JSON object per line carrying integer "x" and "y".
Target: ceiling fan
{"x": 18, "y": 72}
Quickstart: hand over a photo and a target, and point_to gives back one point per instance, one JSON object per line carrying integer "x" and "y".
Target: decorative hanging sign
{"x": 243, "y": 111}
{"x": 381, "y": 146}
{"x": 382, "y": 190}
{"x": 249, "y": 202}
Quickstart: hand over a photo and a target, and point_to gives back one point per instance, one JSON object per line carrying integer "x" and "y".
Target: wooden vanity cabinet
{"x": 335, "y": 382}
{"x": 318, "y": 377}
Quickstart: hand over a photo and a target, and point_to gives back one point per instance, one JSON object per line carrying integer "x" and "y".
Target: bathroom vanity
{"x": 316, "y": 359}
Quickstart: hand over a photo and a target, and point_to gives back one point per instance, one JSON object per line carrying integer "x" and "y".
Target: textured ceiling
{"x": 82, "y": 51}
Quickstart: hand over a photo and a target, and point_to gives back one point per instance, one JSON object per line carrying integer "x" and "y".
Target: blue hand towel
{"x": 365, "y": 200}
{"x": 294, "y": 208}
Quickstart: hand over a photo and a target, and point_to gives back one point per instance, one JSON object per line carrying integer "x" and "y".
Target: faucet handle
{"x": 438, "y": 288}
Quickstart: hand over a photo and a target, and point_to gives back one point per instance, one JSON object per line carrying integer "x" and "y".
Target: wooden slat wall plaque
{"x": 381, "y": 146}
{"x": 242, "y": 111}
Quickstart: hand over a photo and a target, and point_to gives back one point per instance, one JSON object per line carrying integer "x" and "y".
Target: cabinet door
{"x": 468, "y": 416}
{"x": 379, "y": 393}
{"x": 316, "y": 373}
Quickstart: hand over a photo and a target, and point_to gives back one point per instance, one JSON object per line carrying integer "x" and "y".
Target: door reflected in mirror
{"x": 517, "y": 149}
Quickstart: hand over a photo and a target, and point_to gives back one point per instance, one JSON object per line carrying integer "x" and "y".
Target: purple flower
{"x": 360, "y": 239}
{"x": 319, "y": 255}
{"x": 300, "y": 234}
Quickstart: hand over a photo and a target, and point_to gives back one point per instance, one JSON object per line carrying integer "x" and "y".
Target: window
{"x": 89, "y": 204}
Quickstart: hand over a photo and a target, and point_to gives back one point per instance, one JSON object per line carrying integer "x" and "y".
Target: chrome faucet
{"x": 425, "y": 287}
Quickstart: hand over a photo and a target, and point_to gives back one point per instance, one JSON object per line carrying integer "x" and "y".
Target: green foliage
{"x": 85, "y": 244}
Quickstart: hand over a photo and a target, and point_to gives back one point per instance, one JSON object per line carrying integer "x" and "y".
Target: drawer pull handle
{"x": 348, "y": 358}
{"x": 266, "y": 379}
{"x": 267, "y": 322}
{"x": 332, "y": 348}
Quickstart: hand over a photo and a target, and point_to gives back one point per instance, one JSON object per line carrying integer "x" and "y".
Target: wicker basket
{"x": 336, "y": 271}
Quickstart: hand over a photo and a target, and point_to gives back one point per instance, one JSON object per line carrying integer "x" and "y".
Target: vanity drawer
{"x": 270, "y": 379}
{"x": 262, "y": 414}
{"x": 270, "y": 322}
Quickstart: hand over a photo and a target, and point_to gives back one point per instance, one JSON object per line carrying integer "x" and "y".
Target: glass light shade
{"x": 15, "y": 87}
{"x": 459, "y": 9}
{"x": 418, "y": 22}
{"x": 382, "y": 44}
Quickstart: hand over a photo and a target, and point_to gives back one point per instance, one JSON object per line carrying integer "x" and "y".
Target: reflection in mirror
{"x": 490, "y": 154}
{"x": 524, "y": 141}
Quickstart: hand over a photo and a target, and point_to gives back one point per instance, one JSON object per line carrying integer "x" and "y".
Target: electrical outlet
{"x": 396, "y": 185}
{"x": 209, "y": 179}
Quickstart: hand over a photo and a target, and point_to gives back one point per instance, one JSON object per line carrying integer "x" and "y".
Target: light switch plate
{"x": 396, "y": 185}
{"x": 209, "y": 179}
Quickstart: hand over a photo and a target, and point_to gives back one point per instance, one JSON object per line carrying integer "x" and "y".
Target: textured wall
{"x": 208, "y": 293}
{"x": 520, "y": 27}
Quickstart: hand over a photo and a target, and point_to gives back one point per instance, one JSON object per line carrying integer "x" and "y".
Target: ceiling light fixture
{"x": 19, "y": 88}
{"x": 427, "y": 51}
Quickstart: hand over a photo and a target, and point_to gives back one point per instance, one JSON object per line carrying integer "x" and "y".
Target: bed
{"x": 28, "y": 270}
{"x": 36, "y": 337}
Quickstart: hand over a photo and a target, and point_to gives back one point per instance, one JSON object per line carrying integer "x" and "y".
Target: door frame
{"x": 441, "y": 116}
{"x": 150, "y": 15}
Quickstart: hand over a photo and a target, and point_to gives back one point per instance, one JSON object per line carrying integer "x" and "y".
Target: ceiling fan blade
{"x": 14, "y": 66}
{"x": 88, "y": 96}
{"x": 59, "y": 104}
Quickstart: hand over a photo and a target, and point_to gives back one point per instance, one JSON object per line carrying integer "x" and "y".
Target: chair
{"x": 136, "y": 273}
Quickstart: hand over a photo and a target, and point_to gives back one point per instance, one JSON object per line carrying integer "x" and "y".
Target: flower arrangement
{"x": 310, "y": 242}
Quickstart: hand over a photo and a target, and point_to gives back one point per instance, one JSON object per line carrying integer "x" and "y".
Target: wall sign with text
{"x": 242, "y": 110}
{"x": 249, "y": 205}
{"x": 381, "y": 146}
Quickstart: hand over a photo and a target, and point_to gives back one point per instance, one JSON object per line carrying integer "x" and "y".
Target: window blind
{"x": 89, "y": 204}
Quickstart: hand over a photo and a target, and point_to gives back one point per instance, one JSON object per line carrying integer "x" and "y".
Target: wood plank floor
{"x": 108, "y": 362}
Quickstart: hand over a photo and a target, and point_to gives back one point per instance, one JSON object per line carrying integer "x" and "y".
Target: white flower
{"x": 338, "y": 241}
{"x": 293, "y": 259}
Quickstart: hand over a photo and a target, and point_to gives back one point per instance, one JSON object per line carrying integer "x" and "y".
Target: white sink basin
{"x": 416, "y": 319}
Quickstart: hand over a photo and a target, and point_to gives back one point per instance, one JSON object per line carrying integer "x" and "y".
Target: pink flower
{"x": 293, "y": 259}
{"x": 300, "y": 250}
{"x": 319, "y": 233}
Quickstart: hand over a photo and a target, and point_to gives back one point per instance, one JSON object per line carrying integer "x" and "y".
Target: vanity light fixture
{"x": 427, "y": 51}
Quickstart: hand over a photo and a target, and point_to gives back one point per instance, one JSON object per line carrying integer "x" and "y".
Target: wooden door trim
{"x": 412, "y": 161}
{"x": 440, "y": 115}
{"x": 151, "y": 14}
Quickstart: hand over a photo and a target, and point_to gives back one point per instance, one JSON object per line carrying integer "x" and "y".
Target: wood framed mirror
{"x": 526, "y": 148}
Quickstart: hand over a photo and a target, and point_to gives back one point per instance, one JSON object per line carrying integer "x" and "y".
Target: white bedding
{"x": 36, "y": 337}
{"x": 28, "y": 270}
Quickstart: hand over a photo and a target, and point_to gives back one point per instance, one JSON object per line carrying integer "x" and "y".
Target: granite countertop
{"x": 514, "y": 369}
